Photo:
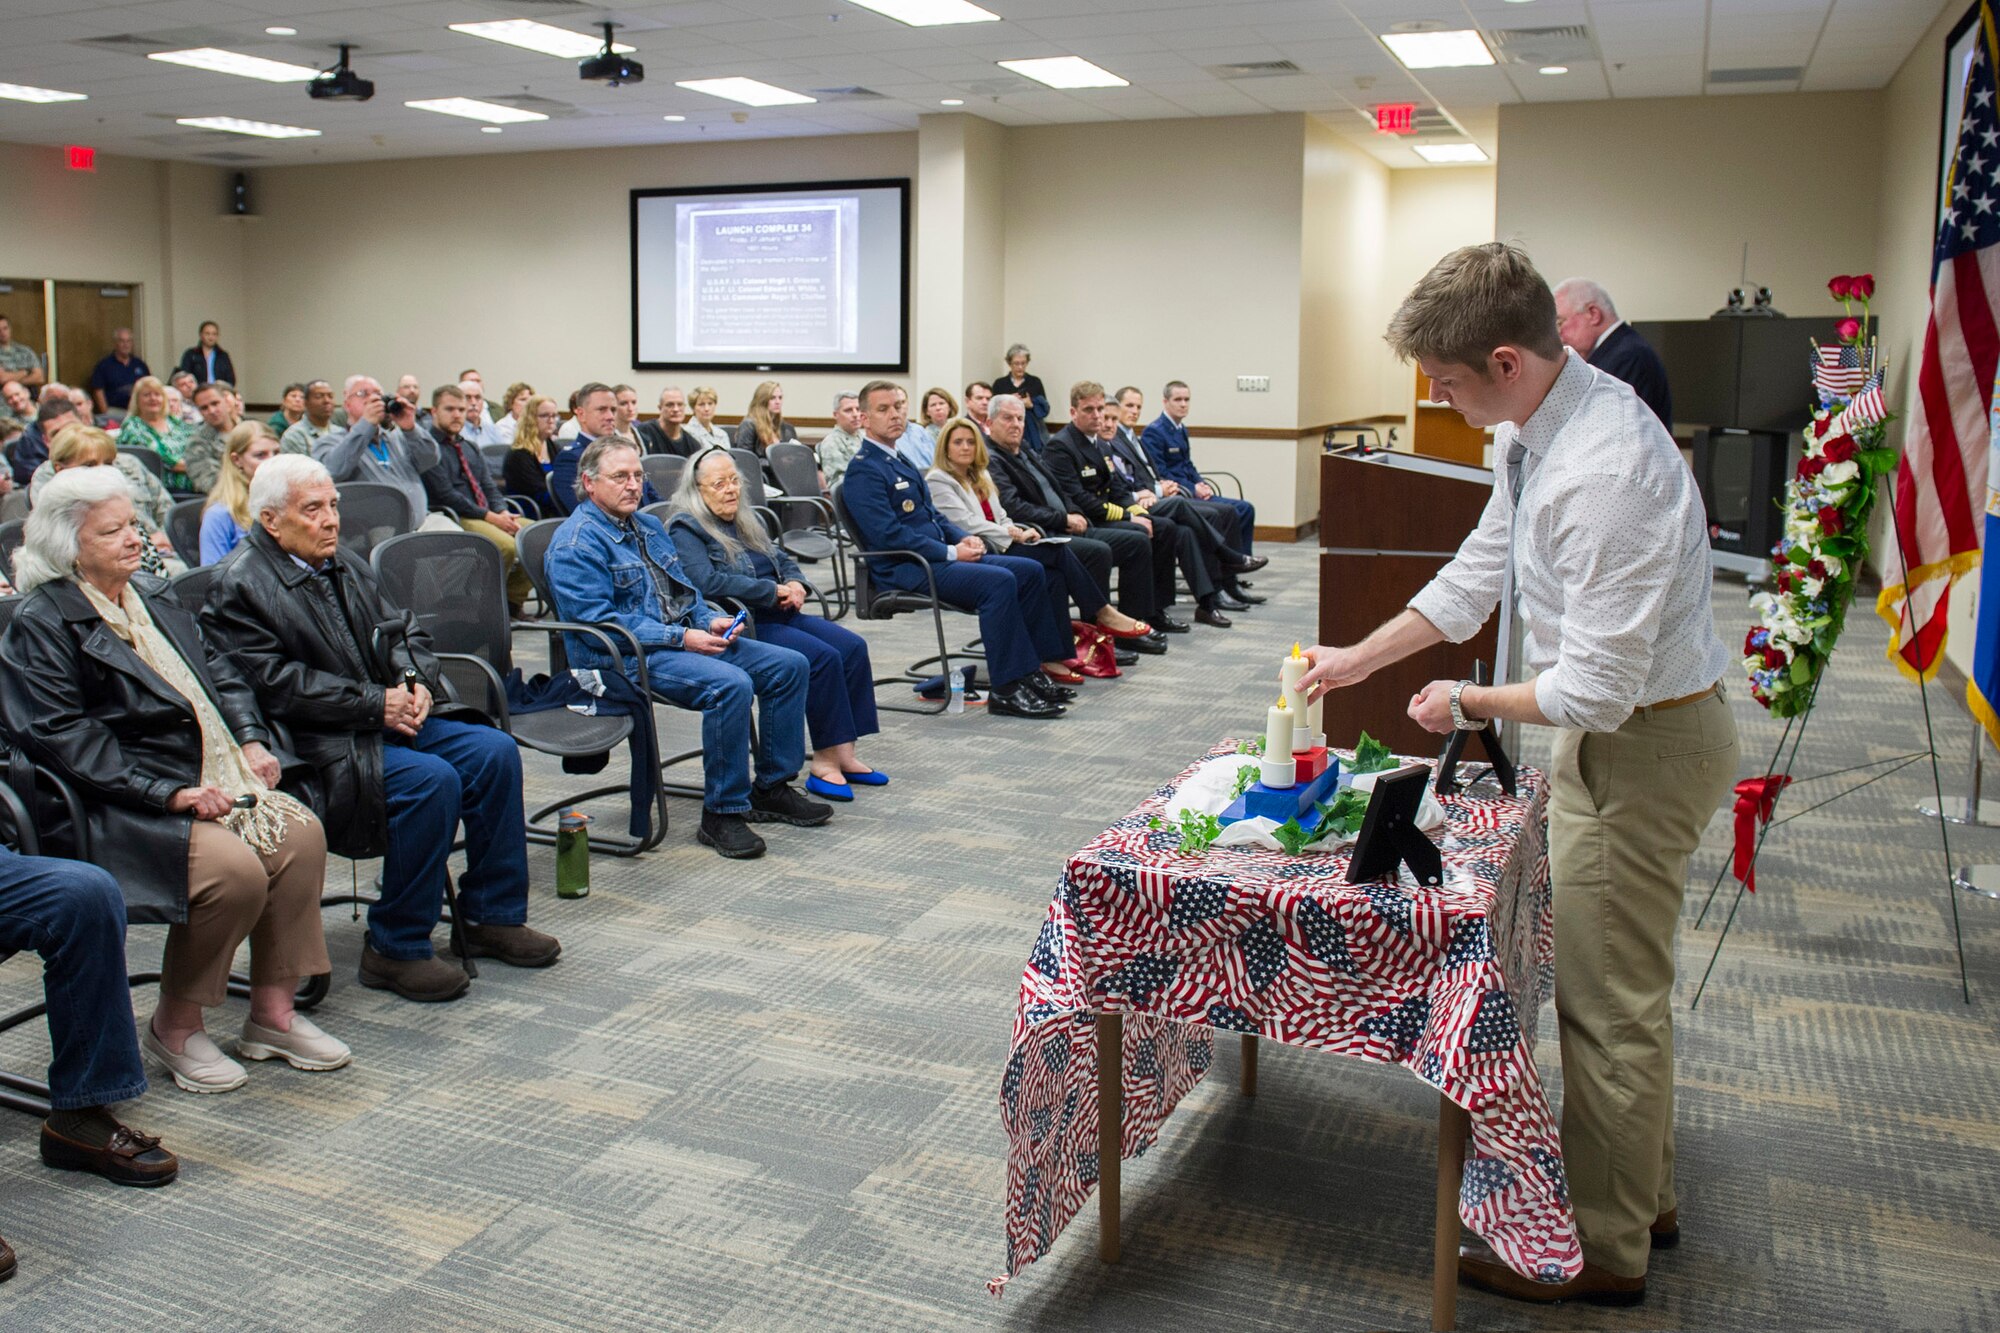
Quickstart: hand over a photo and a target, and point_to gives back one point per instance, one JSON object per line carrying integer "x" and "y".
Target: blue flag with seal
{"x": 1982, "y": 692}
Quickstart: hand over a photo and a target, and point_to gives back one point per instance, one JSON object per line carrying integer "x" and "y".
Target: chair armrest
{"x": 26, "y": 840}
{"x": 1234, "y": 480}
{"x": 514, "y": 504}
{"x": 72, "y": 803}
{"x": 930, "y": 575}
{"x": 603, "y": 632}
{"x": 496, "y": 688}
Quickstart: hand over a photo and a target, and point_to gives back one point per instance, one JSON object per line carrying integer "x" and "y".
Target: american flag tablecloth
{"x": 1445, "y": 982}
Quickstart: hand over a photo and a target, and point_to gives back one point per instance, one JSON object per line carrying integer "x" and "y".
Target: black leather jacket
{"x": 304, "y": 641}
{"x": 77, "y": 699}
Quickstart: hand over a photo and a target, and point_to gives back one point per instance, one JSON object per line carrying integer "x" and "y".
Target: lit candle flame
{"x": 1281, "y": 703}
{"x": 1296, "y": 654}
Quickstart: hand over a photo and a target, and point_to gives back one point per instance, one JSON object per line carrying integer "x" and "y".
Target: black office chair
{"x": 531, "y": 547}
{"x": 8, "y": 605}
{"x": 872, "y": 603}
{"x": 455, "y": 585}
{"x": 191, "y": 589}
{"x": 12, "y": 533}
{"x": 371, "y": 512}
{"x": 808, "y": 529}
{"x": 496, "y": 457}
{"x": 184, "y": 529}
{"x": 148, "y": 459}
{"x": 664, "y": 472}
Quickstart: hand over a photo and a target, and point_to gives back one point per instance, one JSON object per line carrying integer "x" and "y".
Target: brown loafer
{"x": 1478, "y": 1266}
{"x": 516, "y": 946}
{"x": 7, "y": 1261}
{"x": 424, "y": 980}
{"x": 129, "y": 1158}
{"x": 1666, "y": 1229}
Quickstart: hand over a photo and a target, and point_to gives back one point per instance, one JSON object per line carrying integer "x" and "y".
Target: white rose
{"x": 1840, "y": 474}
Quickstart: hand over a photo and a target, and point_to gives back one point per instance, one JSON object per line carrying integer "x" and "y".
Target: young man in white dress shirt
{"x": 1602, "y": 524}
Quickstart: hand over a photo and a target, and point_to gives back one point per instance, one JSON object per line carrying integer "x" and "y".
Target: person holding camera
{"x": 381, "y": 444}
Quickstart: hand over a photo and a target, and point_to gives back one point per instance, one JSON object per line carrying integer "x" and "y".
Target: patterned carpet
{"x": 763, "y": 1096}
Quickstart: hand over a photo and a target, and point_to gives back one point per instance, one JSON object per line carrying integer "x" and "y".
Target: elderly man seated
{"x": 382, "y": 444}
{"x": 305, "y": 621}
{"x": 609, "y": 562}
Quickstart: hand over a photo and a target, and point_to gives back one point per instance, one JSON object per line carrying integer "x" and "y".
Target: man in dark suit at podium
{"x": 1589, "y": 323}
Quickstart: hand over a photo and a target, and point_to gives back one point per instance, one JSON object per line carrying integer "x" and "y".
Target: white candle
{"x": 1289, "y": 673}
{"x": 1278, "y": 731}
{"x": 1313, "y": 722}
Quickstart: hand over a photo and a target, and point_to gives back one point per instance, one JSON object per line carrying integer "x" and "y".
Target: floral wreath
{"x": 1826, "y": 509}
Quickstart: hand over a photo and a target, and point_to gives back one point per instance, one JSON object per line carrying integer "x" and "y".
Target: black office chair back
{"x": 184, "y": 530}
{"x": 664, "y": 471}
{"x": 371, "y": 512}
{"x": 795, "y": 466}
{"x": 456, "y": 586}
{"x": 751, "y": 468}
{"x": 191, "y": 589}
{"x": 531, "y": 548}
{"x": 8, "y": 606}
{"x": 12, "y": 532}
{"x": 148, "y": 459}
{"x": 496, "y": 457}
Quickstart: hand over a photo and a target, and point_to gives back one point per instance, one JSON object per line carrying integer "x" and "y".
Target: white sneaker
{"x": 200, "y": 1067}
{"x": 304, "y": 1047}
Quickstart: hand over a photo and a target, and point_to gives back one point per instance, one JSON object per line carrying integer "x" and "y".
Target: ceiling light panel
{"x": 21, "y": 92}
{"x": 1451, "y": 152}
{"x": 542, "y": 37}
{"x": 1066, "y": 72}
{"x": 218, "y": 61}
{"x": 1438, "y": 50}
{"x": 750, "y": 92}
{"x": 929, "y": 13}
{"x": 473, "y": 109}
{"x": 258, "y": 129}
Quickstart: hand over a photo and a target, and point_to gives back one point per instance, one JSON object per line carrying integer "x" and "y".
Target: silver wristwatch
{"x": 1458, "y": 717}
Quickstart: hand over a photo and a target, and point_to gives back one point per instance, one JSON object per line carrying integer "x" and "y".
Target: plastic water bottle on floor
{"x": 573, "y": 855}
{"x": 957, "y": 703}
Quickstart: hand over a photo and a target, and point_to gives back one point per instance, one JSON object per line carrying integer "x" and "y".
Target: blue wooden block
{"x": 1282, "y": 803}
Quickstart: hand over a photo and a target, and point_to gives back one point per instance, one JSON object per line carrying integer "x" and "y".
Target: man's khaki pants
{"x": 518, "y": 586}
{"x": 1626, "y": 808}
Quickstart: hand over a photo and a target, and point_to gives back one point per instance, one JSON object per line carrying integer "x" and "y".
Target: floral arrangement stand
{"x": 1843, "y": 461}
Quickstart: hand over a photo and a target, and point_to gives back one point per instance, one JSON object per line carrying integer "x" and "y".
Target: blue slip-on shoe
{"x": 876, "y": 778}
{"x": 828, "y": 791}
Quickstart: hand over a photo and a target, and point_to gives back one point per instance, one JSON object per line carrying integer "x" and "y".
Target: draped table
{"x": 1147, "y": 951}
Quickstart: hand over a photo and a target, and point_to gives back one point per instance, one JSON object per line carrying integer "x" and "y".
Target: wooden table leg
{"x": 1249, "y": 1064}
{"x": 1110, "y": 1130}
{"x": 1454, "y": 1126}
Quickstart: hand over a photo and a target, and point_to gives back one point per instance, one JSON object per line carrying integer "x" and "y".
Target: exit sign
{"x": 81, "y": 158}
{"x": 1396, "y": 118}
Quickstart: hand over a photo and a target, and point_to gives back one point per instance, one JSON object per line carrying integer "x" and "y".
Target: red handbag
{"x": 1095, "y": 655}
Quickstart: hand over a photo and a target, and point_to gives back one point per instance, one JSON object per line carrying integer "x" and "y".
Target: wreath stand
{"x": 1771, "y": 790}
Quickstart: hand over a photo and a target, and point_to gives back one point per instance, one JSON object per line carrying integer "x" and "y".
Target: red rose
{"x": 1848, "y": 329}
{"x": 1830, "y": 521}
{"x": 1839, "y": 450}
{"x": 1862, "y": 287}
{"x": 1811, "y": 467}
{"x": 1783, "y": 578}
{"x": 1817, "y": 569}
{"x": 1748, "y": 646}
{"x": 1841, "y": 287}
{"x": 1773, "y": 658}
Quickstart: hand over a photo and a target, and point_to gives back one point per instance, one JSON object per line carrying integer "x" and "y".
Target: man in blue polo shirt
{"x": 111, "y": 382}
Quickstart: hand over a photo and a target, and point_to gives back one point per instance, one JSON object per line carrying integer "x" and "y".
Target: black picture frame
{"x": 900, "y": 366}
{"x": 1389, "y": 833}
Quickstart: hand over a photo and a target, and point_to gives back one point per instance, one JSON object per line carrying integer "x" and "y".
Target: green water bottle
{"x": 573, "y": 855}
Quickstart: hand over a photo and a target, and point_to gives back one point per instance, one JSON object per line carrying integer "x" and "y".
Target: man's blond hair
{"x": 1083, "y": 389}
{"x": 1474, "y": 300}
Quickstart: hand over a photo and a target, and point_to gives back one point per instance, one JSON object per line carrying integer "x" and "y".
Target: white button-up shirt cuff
{"x": 1563, "y": 704}
{"x": 1445, "y": 607}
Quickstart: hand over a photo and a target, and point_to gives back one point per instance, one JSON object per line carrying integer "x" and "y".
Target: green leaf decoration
{"x": 1371, "y": 756}
{"x": 1255, "y": 745}
{"x": 1291, "y": 837}
{"x": 1344, "y": 813}
{"x": 1198, "y": 832}
{"x": 1245, "y": 776}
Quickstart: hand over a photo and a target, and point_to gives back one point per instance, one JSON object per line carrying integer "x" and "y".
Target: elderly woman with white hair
{"x": 114, "y": 688}
{"x": 727, "y": 553}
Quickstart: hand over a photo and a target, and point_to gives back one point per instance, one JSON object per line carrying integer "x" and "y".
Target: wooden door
{"x": 87, "y": 314}
{"x": 21, "y": 302}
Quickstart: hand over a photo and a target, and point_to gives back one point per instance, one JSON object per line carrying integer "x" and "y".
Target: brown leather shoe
{"x": 516, "y": 946}
{"x": 1478, "y": 1266}
{"x": 129, "y": 1158}
{"x": 426, "y": 980}
{"x": 1666, "y": 1229}
{"x": 7, "y": 1262}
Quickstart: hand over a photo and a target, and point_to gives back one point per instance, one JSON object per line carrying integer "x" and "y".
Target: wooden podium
{"x": 1387, "y": 523}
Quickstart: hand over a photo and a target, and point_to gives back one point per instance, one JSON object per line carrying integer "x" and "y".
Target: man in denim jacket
{"x": 609, "y": 562}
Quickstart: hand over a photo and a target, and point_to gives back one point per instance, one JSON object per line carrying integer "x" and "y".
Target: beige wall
{"x": 120, "y": 223}
{"x": 1431, "y": 213}
{"x": 1343, "y": 248}
{"x": 1655, "y": 198}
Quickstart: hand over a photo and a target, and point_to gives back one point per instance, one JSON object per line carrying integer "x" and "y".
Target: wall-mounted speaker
{"x": 239, "y": 194}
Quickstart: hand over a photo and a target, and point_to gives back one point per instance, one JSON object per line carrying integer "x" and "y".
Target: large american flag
{"x": 1941, "y": 480}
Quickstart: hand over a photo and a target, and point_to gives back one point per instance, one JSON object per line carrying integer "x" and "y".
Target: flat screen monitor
{"x": 810, "y": 276}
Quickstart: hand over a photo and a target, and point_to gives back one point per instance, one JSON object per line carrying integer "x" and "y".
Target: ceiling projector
{"x": 340, "y": 84}
{"x": 607, "y": 66}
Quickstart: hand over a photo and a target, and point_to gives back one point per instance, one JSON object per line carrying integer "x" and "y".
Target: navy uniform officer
{"x": 1083, "y": 468}
{"x": 1021, "y": 605}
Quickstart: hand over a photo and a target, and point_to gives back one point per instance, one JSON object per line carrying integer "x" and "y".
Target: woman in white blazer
{"x": 965, "y": 495}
